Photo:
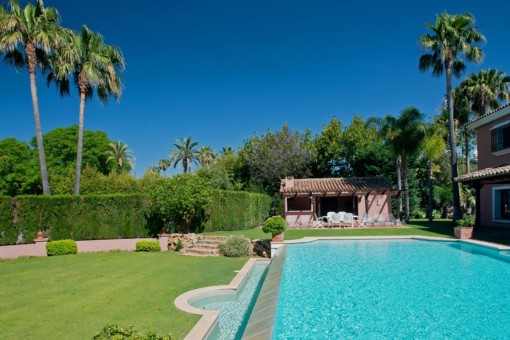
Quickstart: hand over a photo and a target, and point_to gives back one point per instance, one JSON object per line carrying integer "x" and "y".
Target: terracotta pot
{"x": 40, "y": 235}
{"x": 278, "y": 237}
{"x": 463, "y": 232}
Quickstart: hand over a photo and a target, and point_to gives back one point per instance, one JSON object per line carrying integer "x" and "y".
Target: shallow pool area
{"x": 234, "y": 306}
{"x": 393, "y": 288}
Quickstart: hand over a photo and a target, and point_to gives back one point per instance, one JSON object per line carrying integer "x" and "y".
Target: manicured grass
{"x": 437, "y": 228}
{"x": 74, "y": 296}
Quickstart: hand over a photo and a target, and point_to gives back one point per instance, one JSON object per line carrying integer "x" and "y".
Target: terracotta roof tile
{"x": 331, "y": 185}
{"x": 485, "y": 173}
{"x": 488, "y": 114}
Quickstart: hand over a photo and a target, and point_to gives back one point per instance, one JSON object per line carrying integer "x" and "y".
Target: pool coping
{"x": 261, "y": 322}
{"x": 210, "y": 317}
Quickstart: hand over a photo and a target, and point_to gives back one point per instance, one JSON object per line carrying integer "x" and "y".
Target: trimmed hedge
{"x": 148, "y": 246}
{"x": 93, "y": 217}
{"x": 7, "y": 231}
{"x": 236, "y": 210}
{"x": 61, "y": 247}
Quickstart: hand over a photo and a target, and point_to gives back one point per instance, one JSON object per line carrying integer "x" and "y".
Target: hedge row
{"x": 73, "y": 217}
{"x": 236, "y": 210}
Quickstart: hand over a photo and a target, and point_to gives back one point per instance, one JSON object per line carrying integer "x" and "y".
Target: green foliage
{"x": 60, "y": 147}
{"x": 179, "y": 200}
{"x": 61, "y": 247}
{"x": 274, "y": 225}
{"x": 77, "y": 217}
{"x": 328, "y": 149}
{"x": 466, "y": 221}
{"x": 115, "y": 332}
{"x": 276, "y": 155}
{"x": 235, "y": 210}
{"x": 436, "y": 214}
{"x": 178, "y": 246}
{"x": 235, "y": 246}
{"x": 19, "y": 170}
{"x": 217, "y": 176}
{"x": 94, "y": 182}
{"x": 148, "y": 246}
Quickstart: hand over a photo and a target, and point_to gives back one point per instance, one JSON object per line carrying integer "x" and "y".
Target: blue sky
{"x": 220, "y": 71}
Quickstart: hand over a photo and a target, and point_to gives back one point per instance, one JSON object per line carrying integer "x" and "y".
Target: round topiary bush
{"x": 235, "y": 246}
{"x": 274, "y": 225}
{"x": 61, "y": 247}
{"x": 148, "y": 246}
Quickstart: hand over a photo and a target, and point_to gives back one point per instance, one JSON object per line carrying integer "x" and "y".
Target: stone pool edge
{"x": 209, "y": 317}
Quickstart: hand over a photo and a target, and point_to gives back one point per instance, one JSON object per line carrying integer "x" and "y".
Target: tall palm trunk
{"x": 398, "y": 165}
{"x": 406, "y": 187}
{"x": 466, "y": 145}
{"x": 31, "y": 57}
{"x": 451, "y": 131}
{"x": 431, "y": 189}
{"x": 79, "y": 151}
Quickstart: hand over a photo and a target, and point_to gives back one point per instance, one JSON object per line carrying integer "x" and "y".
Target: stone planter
{"x": 278, "y": 237}
{"x": 463, "y": 233}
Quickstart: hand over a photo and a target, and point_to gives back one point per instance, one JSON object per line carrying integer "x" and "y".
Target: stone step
{"x": 212, "y": 242}
{"x": 205, "y": 246}
{"x": 202, "y": 251}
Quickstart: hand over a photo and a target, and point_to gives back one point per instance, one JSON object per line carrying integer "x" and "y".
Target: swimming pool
{"x": 393, "y": 289}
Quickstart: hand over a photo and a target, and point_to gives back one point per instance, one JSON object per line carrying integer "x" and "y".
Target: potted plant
{"x": 464, "y": 227}
{"x": 276, "y": 226}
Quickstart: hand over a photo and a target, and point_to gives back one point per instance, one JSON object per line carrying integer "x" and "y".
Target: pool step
{"x": 206, "y": 246}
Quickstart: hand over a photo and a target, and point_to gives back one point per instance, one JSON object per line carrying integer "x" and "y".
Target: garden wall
{"x": 236, "y": 210}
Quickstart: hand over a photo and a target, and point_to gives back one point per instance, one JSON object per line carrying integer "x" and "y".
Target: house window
{"x": 502, "y": 203}
{"x": 500, "y": 138}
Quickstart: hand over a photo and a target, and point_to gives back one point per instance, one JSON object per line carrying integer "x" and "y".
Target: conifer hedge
{"x": 74, "y": 217}
{"x": 236, "y": 210}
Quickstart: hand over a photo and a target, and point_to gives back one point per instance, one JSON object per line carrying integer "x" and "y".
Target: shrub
{"x": 61, "y": 247}
{"x": 274, "y": 225}
{"x": 235, "y": 246}
{"x": 178, "y": 246}
{"x": 148, "y": 246}
{"x": 466, "y": 221}
{"x": 110, "y": 332}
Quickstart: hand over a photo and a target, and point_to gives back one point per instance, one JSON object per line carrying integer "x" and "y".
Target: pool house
{"x": 306, "y": 199}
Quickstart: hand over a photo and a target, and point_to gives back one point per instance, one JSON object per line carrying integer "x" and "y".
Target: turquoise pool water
{"x": 234, "y": 307}
{"x": 386, "y": 289}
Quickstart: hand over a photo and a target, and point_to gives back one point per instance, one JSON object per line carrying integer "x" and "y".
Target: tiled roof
{"x": 488, "y": 114}
{"x": 485, "y": 173}
{"x": 334, "y": 185}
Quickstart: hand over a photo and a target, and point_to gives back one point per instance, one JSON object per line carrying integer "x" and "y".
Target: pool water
{"x": 389, "y": 289}
{"x": 234, "y": 307}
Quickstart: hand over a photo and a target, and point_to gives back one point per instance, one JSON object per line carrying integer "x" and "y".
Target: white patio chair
{"x": 349, "y": 219}
{"x": 329, "y": 217}
{"x": 393, "y": 220}
{"x": 362, "y": 222}
{"x": 318, "y": 222}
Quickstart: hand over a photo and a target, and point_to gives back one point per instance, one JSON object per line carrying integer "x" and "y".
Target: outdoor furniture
{"x": 362, "y": 222}
{"x": 335, "y": 219}
{"x": 349, "y": 219}
{"x": 393, "y": 220}
{"x": 319, "y": 221}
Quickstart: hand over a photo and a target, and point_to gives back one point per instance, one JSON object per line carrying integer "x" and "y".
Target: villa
{"x": 307, "y": 198}
{"x": 492, "y": 180}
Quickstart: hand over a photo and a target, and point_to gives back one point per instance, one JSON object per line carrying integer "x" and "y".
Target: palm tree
{"x": 434, "y": 147}
{"x": 27, "y": 36}
{"x": 452, "y": 36}
{"x": 94, "y": 66}
{"x": 183, "y": 153}
{"x": 206, "y": 155}
{"x": 163, "y": 165}
{"x": 227, "y": 150}
{"x": 404, "y": 135}
{"x": 120, "y": 157}
{"x": 486, "y": 90}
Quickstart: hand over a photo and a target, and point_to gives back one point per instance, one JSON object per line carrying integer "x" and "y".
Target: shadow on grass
{"x": 442, "y": 227}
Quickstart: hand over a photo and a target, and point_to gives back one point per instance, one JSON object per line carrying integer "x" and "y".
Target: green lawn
{"x": 438, "y": 228}
{"x": 73, "y": 297}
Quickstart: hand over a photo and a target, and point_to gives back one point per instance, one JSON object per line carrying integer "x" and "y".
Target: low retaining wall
{"x": 39, "y": 247}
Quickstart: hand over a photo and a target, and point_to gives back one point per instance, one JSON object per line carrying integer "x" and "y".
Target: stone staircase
{"x": 205, "y": 246}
